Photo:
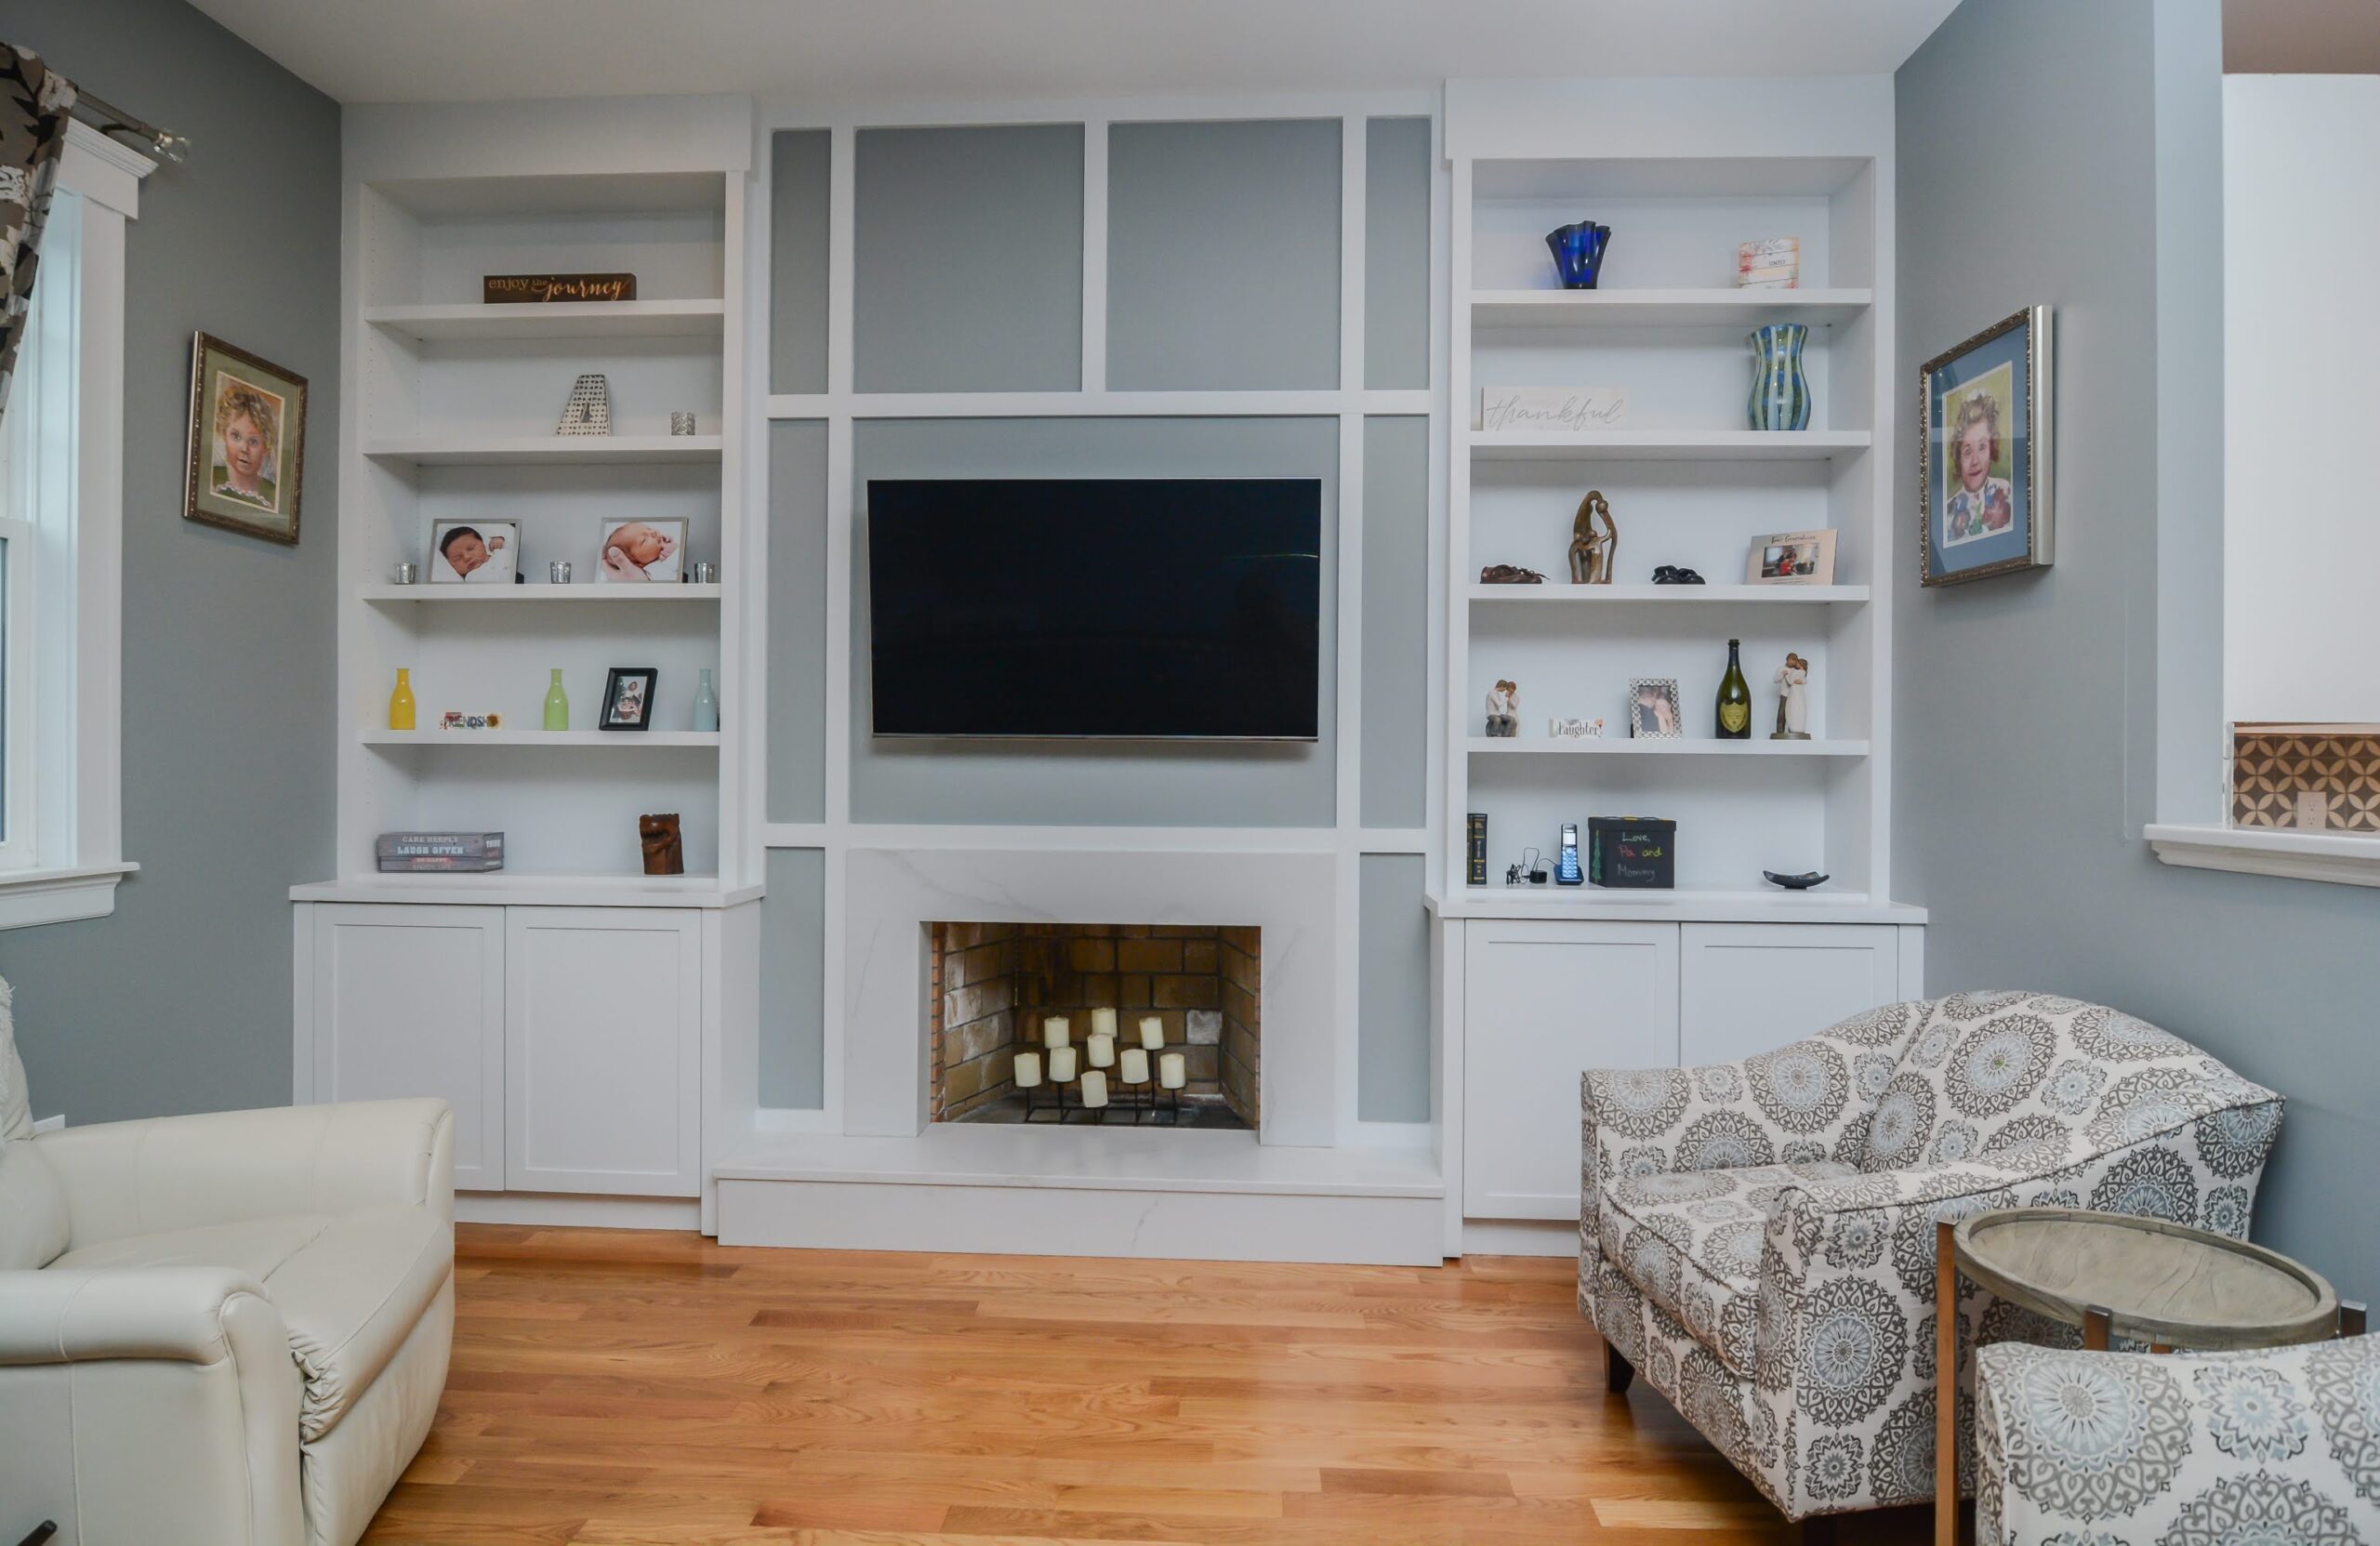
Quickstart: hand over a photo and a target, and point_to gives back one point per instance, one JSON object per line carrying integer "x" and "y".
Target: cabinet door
{"x": 602, "y": 1028}
{"x": 410, "y": 1001}
{"x": 1754, "y": 987}
{"x": 1543, "y": 1002}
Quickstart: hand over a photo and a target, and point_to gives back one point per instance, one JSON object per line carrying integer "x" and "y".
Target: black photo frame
{"x": 628, "y": 698}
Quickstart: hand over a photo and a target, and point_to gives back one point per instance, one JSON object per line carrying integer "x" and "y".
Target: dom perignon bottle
{"x": 1735, "y": 699}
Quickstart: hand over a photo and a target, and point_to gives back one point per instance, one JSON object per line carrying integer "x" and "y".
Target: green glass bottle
{"x": 557, "y": 704}
{"x": 1735, "y": 698}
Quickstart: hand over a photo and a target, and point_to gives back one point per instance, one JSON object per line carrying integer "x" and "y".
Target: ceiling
{"x": 829, "y": 52}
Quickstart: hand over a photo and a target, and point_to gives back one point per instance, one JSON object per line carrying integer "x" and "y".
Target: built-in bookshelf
{"x": 1689, "y": 484}
{"x": 450, "y": 414}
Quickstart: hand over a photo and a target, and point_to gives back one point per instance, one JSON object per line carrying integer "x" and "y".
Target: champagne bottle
{"x": 557, "y": 704}
{"x": 401, "y": 702}
{"x": 1735, "y": 699}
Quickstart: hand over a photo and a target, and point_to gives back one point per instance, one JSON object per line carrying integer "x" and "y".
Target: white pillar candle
{"x": 1062, "y": 1064}
{"x": 1053, "y": 1031}
{"x": 1136, "y": 1066}
{"x": 1173, "y": 1070}
{"x": 1094, "y": 1089}
{"x": 1152, "y": 1032}
{"x": 1102, "y": 1049}
{"x": 1029, "y": 1070}
{"x": 1102, "y": 1023}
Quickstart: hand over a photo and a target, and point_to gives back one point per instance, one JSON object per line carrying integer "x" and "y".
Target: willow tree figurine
{"x": 1592, "y": 552}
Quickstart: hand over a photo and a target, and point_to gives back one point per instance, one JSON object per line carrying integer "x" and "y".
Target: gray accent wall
{"x": 793, "y": 980}
{"x": 182, "y": 1000}
{"x": 966, "y": 273}
{"x": 1393, "y": 989}
{"x": 2027, "y": 741}
{"x": 1094, "y": 783}
{"x": 796, "y": 608}
{"x": 1396, "y": 253}
{"x": 1396, "y": 621}
{"x": 1222, "y": 256}
{"x": 800, "y": 164}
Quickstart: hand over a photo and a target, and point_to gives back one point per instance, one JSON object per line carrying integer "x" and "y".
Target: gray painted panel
{"x": 2017, "y": 711}
{"x": 1396, "y": 252}
{"x": 1396, "y": 620}
{"x": 796, "y": 603}
{"x": 793, "y": 981}
{"x": 1393, "y": 1078}
{"x": 968, "y": 270}
{"x": 1222, "y": 256}
{"x": 180, "y": 1001}
{"x": 800, "y": 160}
{"x": 1092, "y": 782}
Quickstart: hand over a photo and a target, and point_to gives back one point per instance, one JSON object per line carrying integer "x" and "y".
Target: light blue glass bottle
{"x": 706, "y": 704}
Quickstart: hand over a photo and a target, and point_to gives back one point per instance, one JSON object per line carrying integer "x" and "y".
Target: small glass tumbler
{"x": 558, "y": 571}
{"x": 682, "y": 422}
{"x": 706, "y": 573}
{"x": 408, "y": 573}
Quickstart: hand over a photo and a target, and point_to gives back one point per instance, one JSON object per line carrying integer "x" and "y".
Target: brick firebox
{"x": 991, "y": 983}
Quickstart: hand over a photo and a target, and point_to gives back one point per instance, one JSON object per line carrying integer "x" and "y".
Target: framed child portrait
{"x": 1984, "y": 453}
{"x": 474, "y": 552}
{"x": 642, "y": 552}
{"x": 628, "y": 698}
{"x": 247, "y": 443}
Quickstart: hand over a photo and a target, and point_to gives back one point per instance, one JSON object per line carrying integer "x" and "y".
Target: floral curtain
{"x": 33, "y": 100}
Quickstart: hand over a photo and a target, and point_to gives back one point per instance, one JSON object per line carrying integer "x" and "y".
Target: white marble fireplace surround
{"x": 893, "y": 1179}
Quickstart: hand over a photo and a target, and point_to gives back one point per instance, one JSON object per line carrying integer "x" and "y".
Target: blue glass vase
{"x": 1781, "y": 393}
{"x": 1578, "y": 253}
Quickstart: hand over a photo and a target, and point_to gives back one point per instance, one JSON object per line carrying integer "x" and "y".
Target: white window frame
{"x": 75, "y": 713}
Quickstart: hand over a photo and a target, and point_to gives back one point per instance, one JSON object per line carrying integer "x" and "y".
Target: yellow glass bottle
{"x": 401, "y": 701}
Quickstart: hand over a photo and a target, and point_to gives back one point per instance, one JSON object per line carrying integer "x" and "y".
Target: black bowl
{"x": 1795, "y": 883}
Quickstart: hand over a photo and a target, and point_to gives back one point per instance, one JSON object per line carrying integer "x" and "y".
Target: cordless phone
{"x": 1566, "y": 873}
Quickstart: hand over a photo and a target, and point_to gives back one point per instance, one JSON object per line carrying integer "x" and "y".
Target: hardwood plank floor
{"x": 616, "y": 1387}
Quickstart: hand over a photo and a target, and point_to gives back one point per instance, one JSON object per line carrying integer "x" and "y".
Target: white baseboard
{"x": 1519, "y": 1237}
{"x": 564, "y": 1210}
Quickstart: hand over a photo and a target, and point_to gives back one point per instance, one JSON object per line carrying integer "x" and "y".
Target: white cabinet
{"x": 567, "y": 1038}
{"x": 410, "y": 1001}
{"x": 1746, "y": 988}
{"x": 1542, "y": 1002}
{"x": 602, "y": 1038}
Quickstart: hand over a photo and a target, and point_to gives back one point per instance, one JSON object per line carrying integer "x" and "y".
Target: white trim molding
{"x": 2339, "y": 859}
{"x": 33, "y": 896}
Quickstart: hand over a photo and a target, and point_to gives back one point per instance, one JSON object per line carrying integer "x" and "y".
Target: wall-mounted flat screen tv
{"x": 1153, "y": 609}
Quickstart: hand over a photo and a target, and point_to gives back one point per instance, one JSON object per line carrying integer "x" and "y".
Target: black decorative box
{"x": 1631, "y": 853}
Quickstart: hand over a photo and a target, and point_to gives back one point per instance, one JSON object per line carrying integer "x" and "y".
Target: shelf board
{"x": 516, "y": 889}
{"x": 647, "y": 739}
{"x": 1721, "y": 308}
{"x": 547, "y": 450}
{"x": 1682, "y": 904}
{"x": 525, "y": 595}
{"x": 1553, "y": 593}
{"x": 1667, "y": 446}
{"x": 1624, "y": 746}
{"x": 575, "y": 319}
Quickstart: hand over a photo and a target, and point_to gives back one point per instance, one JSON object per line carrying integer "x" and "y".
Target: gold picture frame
{"x": 1990, "y": 452}
{"x": 246, "y": 460}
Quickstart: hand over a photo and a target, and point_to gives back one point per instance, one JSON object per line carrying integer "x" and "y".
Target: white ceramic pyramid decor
{"x": 588, "y": 412}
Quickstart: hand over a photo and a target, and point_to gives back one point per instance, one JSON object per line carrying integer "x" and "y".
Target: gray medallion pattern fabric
{"x": 1757, "y": 1237}
{"x": 34, "y": 103}
{"x": 2224, "y": 1449}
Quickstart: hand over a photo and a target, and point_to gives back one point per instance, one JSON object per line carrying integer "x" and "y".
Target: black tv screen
{"x": 1152, "y": 609}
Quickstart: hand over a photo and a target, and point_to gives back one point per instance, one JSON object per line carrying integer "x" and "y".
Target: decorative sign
{"x": 1518, "y": 409}
{"x": 519, "y": 289}
{"x": 1772, "y": 264}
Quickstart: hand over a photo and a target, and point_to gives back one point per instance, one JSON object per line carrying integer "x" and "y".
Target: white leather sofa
{"x": 219, "y": 1329}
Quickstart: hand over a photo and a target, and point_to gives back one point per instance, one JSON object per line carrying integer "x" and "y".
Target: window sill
{"x": 34, "y": 896}
{"x": 2334, "y": 857}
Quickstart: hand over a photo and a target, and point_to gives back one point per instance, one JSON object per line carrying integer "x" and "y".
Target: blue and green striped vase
{"x": 1781, "y": 393}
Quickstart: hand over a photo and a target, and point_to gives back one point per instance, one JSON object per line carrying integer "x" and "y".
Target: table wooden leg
{"x": 2098, "y": 1322}
{"x": 1946, "y": 1388}
{"x": 2350, "y": 1317}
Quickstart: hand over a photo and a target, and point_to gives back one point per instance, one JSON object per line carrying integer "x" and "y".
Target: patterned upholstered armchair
{"x": 1758, "y": 1237}
{"x": 2196, "y": 1450}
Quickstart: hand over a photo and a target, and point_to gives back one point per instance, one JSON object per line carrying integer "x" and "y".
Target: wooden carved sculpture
{"x": 1593, "y": 552}
{"x": 664, "y": 845}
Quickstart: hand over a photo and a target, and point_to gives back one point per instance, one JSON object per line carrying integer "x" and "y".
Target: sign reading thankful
{"x": 1562, "y": 408}
{"x": 510, "y": 289}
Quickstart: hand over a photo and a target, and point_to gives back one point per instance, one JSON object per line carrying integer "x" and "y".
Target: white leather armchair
{"x": 226, "y": 1329}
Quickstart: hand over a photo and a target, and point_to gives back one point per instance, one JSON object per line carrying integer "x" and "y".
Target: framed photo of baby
{"x": 1983, "y": 457}
{"x": 652, "y": 551}
{"x": 247, "y": 443}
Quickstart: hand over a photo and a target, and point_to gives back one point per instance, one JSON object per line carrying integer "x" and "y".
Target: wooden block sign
{"x": 520, "y": 289}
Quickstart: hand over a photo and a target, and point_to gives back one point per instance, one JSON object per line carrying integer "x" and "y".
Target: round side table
{"x": 2115, "y": 1275}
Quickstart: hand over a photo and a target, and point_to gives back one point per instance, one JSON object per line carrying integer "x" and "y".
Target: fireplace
{"x": 992, "y": 988}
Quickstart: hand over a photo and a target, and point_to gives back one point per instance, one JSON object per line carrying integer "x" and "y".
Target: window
{"x": 61, "y": 442}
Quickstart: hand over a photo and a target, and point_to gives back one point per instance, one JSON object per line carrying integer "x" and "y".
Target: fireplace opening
{"x": 1105, "y": 1024}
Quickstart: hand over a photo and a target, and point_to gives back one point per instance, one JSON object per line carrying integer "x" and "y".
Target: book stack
{"x": 440, "y": 853}
{"x": 1775, "y": 264}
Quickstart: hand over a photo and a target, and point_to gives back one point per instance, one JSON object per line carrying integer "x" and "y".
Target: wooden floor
{"x": 620, "y": 1387}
